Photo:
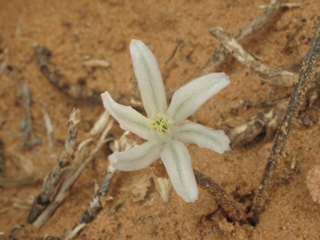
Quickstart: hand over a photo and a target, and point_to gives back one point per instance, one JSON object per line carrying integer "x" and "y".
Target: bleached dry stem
{"x": 270, "y": 75}
{"x": 52, "y": 179}
{"x": 255, "y": 25}
{"x": 95, "y": 205}
{"x": 264, "y": 122}
{"x": 84, "y": 156}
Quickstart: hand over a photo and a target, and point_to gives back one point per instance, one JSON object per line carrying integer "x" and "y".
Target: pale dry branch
{"x": 269, "y": 75}
{"x": 255, "y": 25}
{"x": 267, "y": 123}
{"x": 95, "y": 204}
{"x": 83, "y": 156}
{"x": 52, "y": 179}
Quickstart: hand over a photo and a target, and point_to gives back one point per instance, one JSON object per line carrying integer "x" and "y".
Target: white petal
{"x": 204, "y": 137}
{"x": 138, "y": 157}
{"x": 187, "y": 99}
{"x": 149, "y": 78}
{"x": 128, "y": 118}
{"x": 177, "y": 160}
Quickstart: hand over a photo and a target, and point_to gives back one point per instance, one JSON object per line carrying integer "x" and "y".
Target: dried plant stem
{"x": 224, "y": 199}
{"x": 270, "y": 75}
{"x": 83, "y": 158}
{"x": 285, "y": 127}
{"x": 264, "y": 122}
{"x": 255, "y": 25}
{"x": 95, "y": 205}
{"x": 54, "y": 176}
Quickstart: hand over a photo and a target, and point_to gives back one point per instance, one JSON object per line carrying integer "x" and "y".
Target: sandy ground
{"x": 103, "y": 29}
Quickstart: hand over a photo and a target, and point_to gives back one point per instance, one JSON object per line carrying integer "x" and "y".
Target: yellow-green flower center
{"x": 160, "y": 123}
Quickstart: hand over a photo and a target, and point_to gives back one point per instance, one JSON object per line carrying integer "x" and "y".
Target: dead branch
{"x": 84, "y": 154}
{"x": 52, "y": 179}
{"x": 224, "y": 199}
{"x": 58, "y": 80}
{"x": 284, "y": 130}
{"x": 95, "y": 204}
{"x": 255, "y": 25}
{"x": 269, "y": 75}
{"x": 262, "y": 123}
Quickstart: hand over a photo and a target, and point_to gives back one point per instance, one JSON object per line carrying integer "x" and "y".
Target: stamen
{"x": 160, "y": 123}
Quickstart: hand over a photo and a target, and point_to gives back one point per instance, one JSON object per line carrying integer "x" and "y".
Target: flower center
{"x": 160, "y": 123}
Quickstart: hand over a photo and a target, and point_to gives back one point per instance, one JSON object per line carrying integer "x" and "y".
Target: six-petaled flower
{"x": 164, "y": 128}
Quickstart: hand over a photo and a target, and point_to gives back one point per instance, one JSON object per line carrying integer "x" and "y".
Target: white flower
{"x": 164, "y": 128}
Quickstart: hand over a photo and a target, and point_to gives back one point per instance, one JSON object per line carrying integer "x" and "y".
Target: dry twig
{"x": 224, "y": 199}
{"x": 255, "y": 25}
{"x": 52, "y": 179}
{"x": 270, "y": 75}
{"x": 84, "y": 154}
{"x": 284, "y": 130}
{"x": 95, "y": 204}
{"x": 262, "y": 123}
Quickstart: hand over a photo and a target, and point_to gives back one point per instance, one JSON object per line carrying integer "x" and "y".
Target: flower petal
{"x": 128, "y": 118}
{"x": 136, "y": 158}
{"x": 189, "y": 98}
{"x": 149, "y": 78}
{"x": 204, "y": 137}
{"x": 177, "y": 160}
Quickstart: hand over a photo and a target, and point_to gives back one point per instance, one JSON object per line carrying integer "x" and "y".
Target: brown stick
{"x": 284, "y": 130}
{"x": 224, "y": 199}
{"x": 270, "y": 75}
{"x": 255, "y": 25}
{"x": 54, "y": 176}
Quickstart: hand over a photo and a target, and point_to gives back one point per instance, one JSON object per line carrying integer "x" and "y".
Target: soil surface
{"x": 74, "y": 30}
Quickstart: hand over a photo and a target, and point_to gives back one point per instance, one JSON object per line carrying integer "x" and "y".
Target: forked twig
{"x": 224, "y": 199}
{"x": 255, "y": 25}
{"x": 270, "y": 75}
{"x": 86, "y": 151}
{"x": 285, "y": 127}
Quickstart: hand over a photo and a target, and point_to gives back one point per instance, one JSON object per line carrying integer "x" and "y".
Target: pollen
{"x": 160, "y": 123}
